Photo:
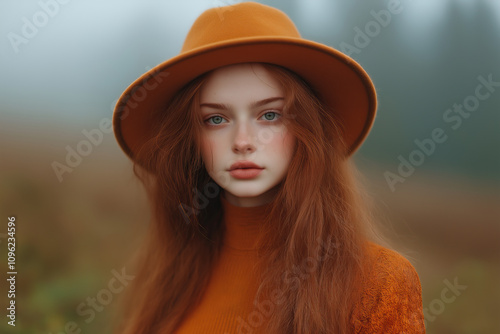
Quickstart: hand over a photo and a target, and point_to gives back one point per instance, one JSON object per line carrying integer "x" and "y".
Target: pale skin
{"x": 241, "y": 107}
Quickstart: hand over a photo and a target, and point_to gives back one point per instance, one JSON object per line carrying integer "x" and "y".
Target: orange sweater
{"x": 391, "y": 301}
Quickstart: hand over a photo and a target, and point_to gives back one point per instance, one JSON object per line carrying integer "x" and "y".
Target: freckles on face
{"x": 241, "y": 107}
{"x": 281, "y": 147}
{"x": 282, "y": 144}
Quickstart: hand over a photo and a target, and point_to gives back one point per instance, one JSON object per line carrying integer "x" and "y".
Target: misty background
{"x": 65, "y": 63}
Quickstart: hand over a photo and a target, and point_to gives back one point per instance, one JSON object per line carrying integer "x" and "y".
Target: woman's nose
{"x": 244, "y": 139}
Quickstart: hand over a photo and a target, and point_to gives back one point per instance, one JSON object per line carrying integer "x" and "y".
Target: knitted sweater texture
{"x": 391, "y": 301}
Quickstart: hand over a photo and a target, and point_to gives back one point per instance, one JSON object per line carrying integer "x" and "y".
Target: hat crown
{"x": 243, "y": 33}
{"x": 247, "y": 19}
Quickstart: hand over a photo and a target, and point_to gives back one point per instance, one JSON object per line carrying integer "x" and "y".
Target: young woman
{"x": 258, "y": 223}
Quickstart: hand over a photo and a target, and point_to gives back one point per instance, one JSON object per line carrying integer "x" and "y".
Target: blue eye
{"x": 272, "y": 113}
{"x": 216, "y": 119}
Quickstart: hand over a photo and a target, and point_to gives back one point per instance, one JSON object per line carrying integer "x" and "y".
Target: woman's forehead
{"x": 248, "y": 80}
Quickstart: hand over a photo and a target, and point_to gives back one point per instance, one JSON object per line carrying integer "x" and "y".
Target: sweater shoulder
{"x": 388, "y": 266}
{"x": 391, "y": 299}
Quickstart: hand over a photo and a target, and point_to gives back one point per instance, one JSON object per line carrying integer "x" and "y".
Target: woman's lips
{"x": 245, "y": 173}
{"x": 244, "y": 164}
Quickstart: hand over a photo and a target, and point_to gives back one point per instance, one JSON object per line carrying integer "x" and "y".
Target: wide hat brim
{"x": 339, "y": 81}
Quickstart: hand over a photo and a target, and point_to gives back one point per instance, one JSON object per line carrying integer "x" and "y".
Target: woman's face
{"x": 241, "y": 107}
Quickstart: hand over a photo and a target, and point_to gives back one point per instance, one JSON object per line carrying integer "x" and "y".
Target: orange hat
{"x": 240, "y": 33}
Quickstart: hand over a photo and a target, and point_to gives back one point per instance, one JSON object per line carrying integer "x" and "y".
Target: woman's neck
{"x": 243, "y": 225}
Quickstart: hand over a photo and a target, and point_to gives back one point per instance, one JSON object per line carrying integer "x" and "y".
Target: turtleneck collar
{"x": 242, "y": 224}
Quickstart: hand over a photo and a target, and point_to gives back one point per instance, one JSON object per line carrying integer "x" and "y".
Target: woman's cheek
{"x": 282, "y": 144}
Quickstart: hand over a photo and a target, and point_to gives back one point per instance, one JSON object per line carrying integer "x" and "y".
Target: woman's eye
{"x": 271, "y": 115}
{"x": 215, "y": 120}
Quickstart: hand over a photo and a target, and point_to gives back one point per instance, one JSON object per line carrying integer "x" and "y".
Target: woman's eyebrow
{"x": 265, "y": 101}
{"x": 254, "y": 105}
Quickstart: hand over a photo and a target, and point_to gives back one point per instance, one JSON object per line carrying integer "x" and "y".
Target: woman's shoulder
{"x": 389, "y": 264}
{"x": 391, "y": 299}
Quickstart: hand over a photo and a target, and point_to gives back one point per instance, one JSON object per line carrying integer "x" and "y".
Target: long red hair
{"x": 319, "y": 201}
